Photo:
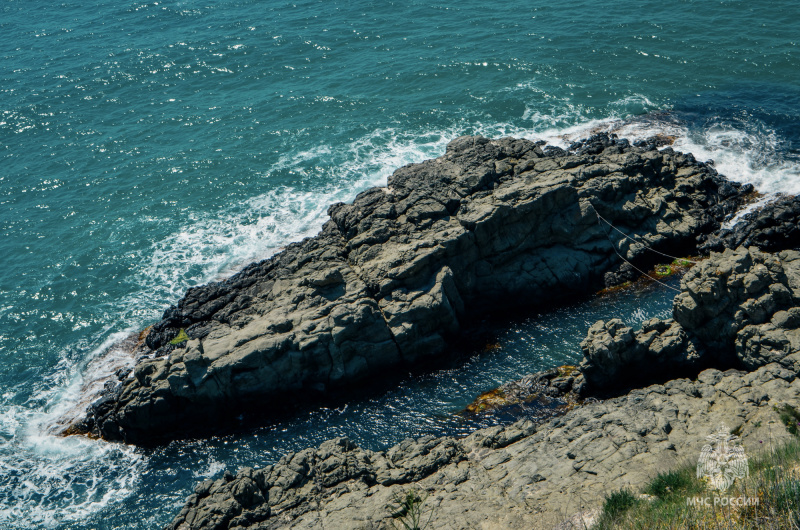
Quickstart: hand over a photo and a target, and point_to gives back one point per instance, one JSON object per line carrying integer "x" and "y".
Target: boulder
{"x": 736, "y": 309}
{"x": 617, "y": 358}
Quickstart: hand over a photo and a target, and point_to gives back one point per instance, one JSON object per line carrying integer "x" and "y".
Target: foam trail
{"x": 49, "y": 480}
{"x": 68, "y": 401}
{"x": 749, "y": 153}
{"x": 52, "y": 480}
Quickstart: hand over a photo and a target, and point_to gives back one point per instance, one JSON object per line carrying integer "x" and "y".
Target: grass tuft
{"x": 407, "y": 512}
{"x": 774, "y": 481}
{"x": 618, "y": 503}
{"x": 790, "y": 417}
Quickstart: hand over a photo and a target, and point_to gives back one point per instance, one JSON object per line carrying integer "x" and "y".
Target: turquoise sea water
{"x": 146, "y": 147}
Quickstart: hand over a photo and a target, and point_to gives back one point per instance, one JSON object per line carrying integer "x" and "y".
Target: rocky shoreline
{"x": 491, "y": 226}
{"x": 517, "y": 476}
{"x": 393, "y": 279}
{"x": 739, "y": 307}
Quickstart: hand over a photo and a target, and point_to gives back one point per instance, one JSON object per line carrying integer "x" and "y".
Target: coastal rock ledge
{"x": 532, "y": 476}
{"x": 490, "y": 226}
{"x": 523, "y": 475}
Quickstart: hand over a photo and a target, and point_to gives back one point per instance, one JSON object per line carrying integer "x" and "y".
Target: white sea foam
{"x": 72, "y": 388}
{"x": 750, "y": 155}
{"x": 50, "y": 480}
{"x": 213, "y": 468}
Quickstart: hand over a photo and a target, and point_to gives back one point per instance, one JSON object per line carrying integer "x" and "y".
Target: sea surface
{"x": 146, "y": 147}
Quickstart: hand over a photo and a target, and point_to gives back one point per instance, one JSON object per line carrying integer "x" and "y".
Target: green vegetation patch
{"x": 681, "y": 481}
{"x": 681, "y": 262}
{"x": 618, "y": 503}
{"x": 790, "y": 417}
{"x": 674, "y": 500}
{"x": 663, "y": 270}
{"x": 182, "y": 337}
{"x": 407, "y": 512}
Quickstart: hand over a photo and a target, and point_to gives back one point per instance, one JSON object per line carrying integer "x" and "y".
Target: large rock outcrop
{"x": 518, "y": 476}
{"x": 530, "y": 475}
{"x": 391, "y": 278}
{"x": 739, "y": 308}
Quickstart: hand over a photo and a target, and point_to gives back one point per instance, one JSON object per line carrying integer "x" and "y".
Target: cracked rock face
{"x": 773, "y": 227}
{"x": 614, "y": 354}
{"x": 518, "y": 476}
{"x": 391, "y": 278}
{"x": 745, "y": 299}
{"x": 738, "y": 308}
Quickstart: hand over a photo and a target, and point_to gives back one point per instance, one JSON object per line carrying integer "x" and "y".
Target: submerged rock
{"x": 490, "y": 226}
{"x": 548, "y": 389}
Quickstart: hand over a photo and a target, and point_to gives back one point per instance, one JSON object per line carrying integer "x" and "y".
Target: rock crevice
{"x": 739, "y": 304}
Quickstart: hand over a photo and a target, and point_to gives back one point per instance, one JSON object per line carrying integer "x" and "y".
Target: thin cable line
{"x": 626, "y": 236}
{"x": 608, "y": 235}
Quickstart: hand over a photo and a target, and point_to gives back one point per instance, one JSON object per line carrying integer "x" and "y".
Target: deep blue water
{"x": 146, "y": 147}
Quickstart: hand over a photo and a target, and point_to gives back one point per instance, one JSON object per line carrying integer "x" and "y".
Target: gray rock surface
{"x": 519, "y": 476}
{"x": 391, "y": 278}
{"x": 537, "y": 475}
{"x": 773, "y": 227}
{"x": 615, "y": 355}
{"x": 739, "y": 308}
{"x": 745, "y": 299}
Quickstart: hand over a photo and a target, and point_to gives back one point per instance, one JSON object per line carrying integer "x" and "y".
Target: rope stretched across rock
{"x": 601, "y": 219}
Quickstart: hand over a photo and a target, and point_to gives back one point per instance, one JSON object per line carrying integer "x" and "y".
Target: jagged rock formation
{"x": 773, "y": 227}
{"x": 613, "y": 353}
{"x": 518, "y": 476}
{"x": 392, "y": 277}
{"x": 745, "y": 298}
{"x": 740, "y": 308}
{"x": 738, "y": 305}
